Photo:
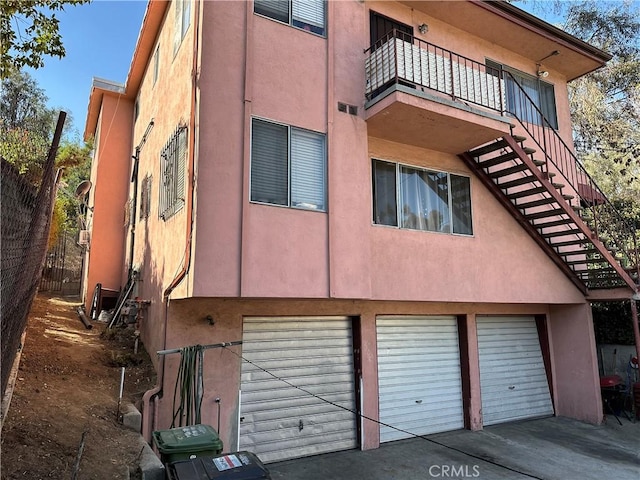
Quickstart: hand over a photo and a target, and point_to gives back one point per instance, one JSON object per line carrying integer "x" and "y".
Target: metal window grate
{"x": 172, "y": 174}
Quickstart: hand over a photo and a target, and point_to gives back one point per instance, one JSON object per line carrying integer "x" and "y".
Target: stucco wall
{"x": 108, "y": 196}
{"x": 575, "y": 367}
{"x": 297, "y": 78}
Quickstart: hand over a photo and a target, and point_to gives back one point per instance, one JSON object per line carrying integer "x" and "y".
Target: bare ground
{"x": 68, "y": 383}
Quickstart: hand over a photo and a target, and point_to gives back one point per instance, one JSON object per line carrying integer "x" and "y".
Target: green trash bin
{"x": 184, "y": 443}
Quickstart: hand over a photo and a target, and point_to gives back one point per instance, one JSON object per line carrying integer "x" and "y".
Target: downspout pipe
{"x": 148, "y": 424}
{"x": 134, "y": 200}
{"x": 636, "y": 327}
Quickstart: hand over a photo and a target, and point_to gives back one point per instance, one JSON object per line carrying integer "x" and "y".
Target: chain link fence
{"x": 25, "y": 222}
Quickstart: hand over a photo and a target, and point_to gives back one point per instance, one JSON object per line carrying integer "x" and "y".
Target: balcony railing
{"x": 399, "y": 58}
{"x": 607, "y": 223}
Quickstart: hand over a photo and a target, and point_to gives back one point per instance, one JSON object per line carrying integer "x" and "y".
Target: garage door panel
{"x": 513, "y": 378}
{"x": 314, "y": 354}
{"x": 419, "y": 377}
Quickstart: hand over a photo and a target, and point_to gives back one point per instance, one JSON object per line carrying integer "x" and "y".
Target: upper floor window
{"x": 527, "y": 97}
{"x": 307, "y": 15}
{"x": 156, "y": 64}
{"x": 288, "y": 166}
{"x": 182, "y": 20}
{"x": 420, "y": 199}
{"x": 173, "y": 159}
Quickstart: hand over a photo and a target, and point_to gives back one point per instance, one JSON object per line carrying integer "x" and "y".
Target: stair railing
{"x": 608, "y": 224}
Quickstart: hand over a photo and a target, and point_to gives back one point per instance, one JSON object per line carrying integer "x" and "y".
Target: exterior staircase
{"x": 537, "y": 178}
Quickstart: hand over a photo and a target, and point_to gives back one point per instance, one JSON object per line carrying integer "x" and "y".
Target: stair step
{"x": 546, "y": 213}
{"x": 549, "y": 175}
{"x": 526, "y": 193}
{"x": 558, "y": 185}
{"x": 519, "y": 138}
{"x": 554, "y": 223}
{"x": 567, "y": 197}
{"x": 562, "y": 233}
{"x": 566, "y": 243}
{"x": 518, "y": 182}
{"x": 492, "y": 162}
{"x": 536, "y": 203}
{"x": 492, "y": 147}
{"x": 538, "y": 163}
{"x": 508, "y": 171}
{"x": 588, "y": 261}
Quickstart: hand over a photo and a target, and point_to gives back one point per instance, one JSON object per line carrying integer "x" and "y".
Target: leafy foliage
{"x": 29, "y": 31}
{"x": 26, "y": 129}
{"x": 612, "y": 323}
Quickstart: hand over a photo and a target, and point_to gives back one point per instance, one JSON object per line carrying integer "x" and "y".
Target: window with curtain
{"x": 519, "y": 86}
{"x": 306, "y": 15}
{"x": 421, "y": 199}
{"x": 288, "y": 166}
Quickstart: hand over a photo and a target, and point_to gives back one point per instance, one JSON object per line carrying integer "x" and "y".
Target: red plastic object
{"x": 610, "y": 381}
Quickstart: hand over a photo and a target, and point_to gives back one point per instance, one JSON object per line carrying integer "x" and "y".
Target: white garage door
{"x": 279, "y": 421}
{"x": 513, "y": 381}
{"x": 419, "y": 378}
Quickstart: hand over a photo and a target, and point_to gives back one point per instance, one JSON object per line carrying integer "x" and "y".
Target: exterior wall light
{"x": 423, "y": 28}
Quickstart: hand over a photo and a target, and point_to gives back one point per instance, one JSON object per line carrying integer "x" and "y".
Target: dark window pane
{"x": 269, "y": 163}
{"x": 384, "y": 193}
{"x": 276, "y": 9}
{"x": 461, "y": 205}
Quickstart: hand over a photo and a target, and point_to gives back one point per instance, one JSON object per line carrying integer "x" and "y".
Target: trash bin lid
{"x": 192, "y": 438}
{"x": 229, "y": 466}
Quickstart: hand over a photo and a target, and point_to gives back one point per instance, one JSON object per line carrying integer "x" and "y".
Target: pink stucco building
{"x": 380, "y": 200}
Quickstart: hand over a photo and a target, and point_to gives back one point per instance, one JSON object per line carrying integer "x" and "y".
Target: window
{"x": 307, "y": 15}
{"x": 420, "y": 199}
{"x": 288, "y": 166}
{"x": 145, "y": 197}
{"x": 519, "y": 86}
{"x": 182, "y": 21}
{"x": 172, "y": 172}
{"x": 156, "y": 64}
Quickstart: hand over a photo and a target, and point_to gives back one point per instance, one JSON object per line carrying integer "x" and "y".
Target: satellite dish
{"x": 83, "y": 188}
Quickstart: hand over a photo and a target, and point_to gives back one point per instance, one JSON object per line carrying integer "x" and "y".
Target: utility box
{"x": 184, "y": 443}
{"x": 230, "y": 466}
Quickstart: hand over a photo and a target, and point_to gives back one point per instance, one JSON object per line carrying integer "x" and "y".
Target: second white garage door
{"x": 419, "y": 378}
{"x": 513, "y": 380}
{"x": 279, "y": 421}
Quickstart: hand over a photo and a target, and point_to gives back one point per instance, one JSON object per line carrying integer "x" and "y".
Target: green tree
{"x": 29, "y": 31}
{"x": 26, "y": 131}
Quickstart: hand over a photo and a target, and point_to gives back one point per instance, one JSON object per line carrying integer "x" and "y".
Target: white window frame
{"x": 290, "y": 204}
{"x": 182, "y": 22}
{"x": 304, "y": 26}
{"x": 398, "y": 192}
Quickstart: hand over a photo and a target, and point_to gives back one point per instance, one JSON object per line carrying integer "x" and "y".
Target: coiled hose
{"x": 189, "y": 386}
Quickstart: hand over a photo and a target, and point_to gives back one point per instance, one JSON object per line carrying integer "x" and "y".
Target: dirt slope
{"x": 68, "y": 383}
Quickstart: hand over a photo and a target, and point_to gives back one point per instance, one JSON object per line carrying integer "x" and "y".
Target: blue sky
{"x": 99, "y": 38}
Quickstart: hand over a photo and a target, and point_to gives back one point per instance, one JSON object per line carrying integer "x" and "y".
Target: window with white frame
{"x": 307, "y": 15}
{"x": 173, "y": 159}
{"x": 421, "y": 199}
{"x": 156, "y": 64}
{"x": 182, "y": 21}
{"x": 288, "y": 166}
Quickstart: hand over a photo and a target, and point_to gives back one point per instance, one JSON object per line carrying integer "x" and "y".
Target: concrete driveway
{"x": 549, "y": 448}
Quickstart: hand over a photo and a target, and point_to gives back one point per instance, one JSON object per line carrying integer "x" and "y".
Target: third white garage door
{"x": 419, "y": 379}
{"x": 513, "y": 380}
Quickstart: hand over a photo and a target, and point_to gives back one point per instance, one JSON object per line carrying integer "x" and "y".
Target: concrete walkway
{"x": 549, "y": 449}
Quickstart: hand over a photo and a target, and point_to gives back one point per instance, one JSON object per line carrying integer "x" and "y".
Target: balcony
{"x": 421, "y": 94}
